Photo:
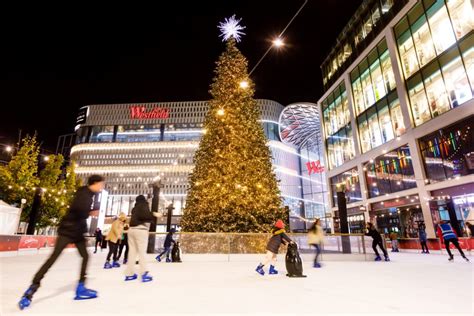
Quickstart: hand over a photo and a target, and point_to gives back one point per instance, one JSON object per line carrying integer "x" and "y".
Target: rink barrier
{"x": 236, "y": 243}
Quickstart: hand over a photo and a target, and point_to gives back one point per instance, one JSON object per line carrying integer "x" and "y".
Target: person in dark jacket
{"x": 278, "y": 237}
{"x": 448, "y": 235}
{"x": 377, "y": 241}
{"x": 124, "y": 244}
{"x": 167, "y": 245}
{"x": 98, "y": 239}
{"x": 138, "y": 238}
{"x": 71, "y": 231}
{"x": 423, "y": 238}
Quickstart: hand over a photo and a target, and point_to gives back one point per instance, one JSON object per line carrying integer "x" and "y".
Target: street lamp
{"x": 8, "y": 149}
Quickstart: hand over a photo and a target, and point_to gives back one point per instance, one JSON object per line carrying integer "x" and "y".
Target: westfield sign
{"x": 314, "y": 167}
{"x": 141, "y": 113}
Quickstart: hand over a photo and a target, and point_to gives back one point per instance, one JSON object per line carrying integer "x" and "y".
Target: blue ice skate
{"x": 260, "y": 269}
{"x": 168, "y": 260}
{"x": 107, "y": 265}
{"x": 272, "y": 270}
{"x": 317, "y": 265}
{"x": 125, "y": 261}
{"x": 158, "y": 258}
{"x": 387, "y": 258}
{"x": 378, "y": 258}
{"x": 25, "y": 300}
{"x": 146, "y": 277}
{"x": 116, "y": 264}
{"x": 83, "y": 293}
{"x": 131, "y": 277}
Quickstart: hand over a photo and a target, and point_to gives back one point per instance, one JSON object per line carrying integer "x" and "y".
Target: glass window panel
{"x": 358, "y": 96}
{"x": 327, "y": 123}
{"x": 462, "y": 16}
{"x": 387, "y": 70}
{"x": 345, "y": 105}
{"x": 441, "y": 29}
{"x": 407, "y": 54}
{"x": 423, "y": 42}
{"x": 374, "y": 128}
{"x": 349, "y": 144}
{"x": 367, "y": 89}
{"x": 419, "y": 103}
{"x": 437, "y": 97}
{"x": 364, "y": 133}
{"x": 378, "y": 81}
{"x": 375, "y": 14}
{"x": 102, "y": 134}
{"x": 385, "y": 123}
{"x": 455, "y": 79}
{"x": 397, "y": 117}
{"x": 467, "y": 48}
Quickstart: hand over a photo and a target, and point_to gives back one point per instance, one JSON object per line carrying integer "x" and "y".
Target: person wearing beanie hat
{"x": 138, "y": 238}
{"x": 113, "y": 237}
{"x": 278, "y": 237}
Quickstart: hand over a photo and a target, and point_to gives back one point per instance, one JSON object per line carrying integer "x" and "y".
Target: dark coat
{"x": 277, "y": 239}
{"x": 372, "y": 232}
{"x": 169, "y": 240}
{"x": 141, "y": 214}
{"x": 98, "y": 235}
{"x": 74, "y": 224}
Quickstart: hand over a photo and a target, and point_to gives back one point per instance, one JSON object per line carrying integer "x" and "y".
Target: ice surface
{"x": 410, "y": 283}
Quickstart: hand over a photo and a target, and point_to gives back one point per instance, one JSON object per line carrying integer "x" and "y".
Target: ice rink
{"x": 410, "y": 283}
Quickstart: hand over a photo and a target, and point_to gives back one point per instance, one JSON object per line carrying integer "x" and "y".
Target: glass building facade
{"x": 349, "y": 183}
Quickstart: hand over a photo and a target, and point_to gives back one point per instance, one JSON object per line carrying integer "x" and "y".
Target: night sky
{"x": 54, "y": 60}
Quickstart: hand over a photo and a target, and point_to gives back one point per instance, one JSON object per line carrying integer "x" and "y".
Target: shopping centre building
{"x": 134, "y": 145}
{"x": 398, "y": 115}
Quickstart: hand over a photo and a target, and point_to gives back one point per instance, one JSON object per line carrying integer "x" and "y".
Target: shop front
{"x": 355, "y": 220}
{"x": 455, "y": 204}
{"x": 402, "y": 215}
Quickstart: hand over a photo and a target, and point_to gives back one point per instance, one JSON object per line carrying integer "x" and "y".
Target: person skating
{"x": 124, "y": 244}
{"x": 423, "y": 238}
{"x": 315, "y": 238}
{"x": 377, "y": 241}
{"x": 167, "y": 245}
{"x": 394, "y": 241}
{"x": 71, "y": 231}
{"x": 278, "y": 237}
{"x": 448, "y": 235}
{"x": 113, "y": 237}
{"x": 98, "y": 239}
{"x": 138, "y": 238}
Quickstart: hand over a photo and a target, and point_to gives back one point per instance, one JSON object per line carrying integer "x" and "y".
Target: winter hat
{"x": 140, "y": 198}
{"x": 279, "y": 224}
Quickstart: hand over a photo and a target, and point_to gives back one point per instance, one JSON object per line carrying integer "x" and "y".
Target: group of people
{"x": 134, "y": 236}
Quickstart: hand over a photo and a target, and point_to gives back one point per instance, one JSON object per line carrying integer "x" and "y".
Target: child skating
{"x": 278, "y": 237}
{"x": 167, "y": 245}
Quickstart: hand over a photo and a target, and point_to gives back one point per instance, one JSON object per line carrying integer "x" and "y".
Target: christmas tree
{"x": 232, "y": 187}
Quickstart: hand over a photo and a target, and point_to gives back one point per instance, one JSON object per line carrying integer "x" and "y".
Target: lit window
{"x": 419, "y": 103}
{"x": 441, "y": 29}
{"x": 455, "y": 78}
{"x": 462, "y": 16}
{"x": 437, "y": 98}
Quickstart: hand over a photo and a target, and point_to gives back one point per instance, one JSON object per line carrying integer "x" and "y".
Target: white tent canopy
{"x": 9, "y": 219}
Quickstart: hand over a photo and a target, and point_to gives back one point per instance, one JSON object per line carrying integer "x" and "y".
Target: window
{"x": 397, "y": 117}
{"x": 102, "y": 134}
{"x": 434, "y": 85}
{"x": 364, "y": 133}
{"x": 462, "y": 16}
{"x": 467, "y": 49}
{"x": 389, "y": 173}
{"x": 138, "y": 133}
{"x": 385, "y": 123}
{"x": 456, "y": 81}
{"x": 441, "y": 29}
{"x": 449, "y": 152}
{"x": 423, "y": 42}
{"x": 419, "y": 103}
{"x": 349, "y": 182}
{"x": 387, "y": 70}
{"x": 374, "y": 129}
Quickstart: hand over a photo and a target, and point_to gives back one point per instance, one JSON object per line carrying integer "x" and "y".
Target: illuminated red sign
{"x": 140, "y": 112}
{"x": 314, "y": 167}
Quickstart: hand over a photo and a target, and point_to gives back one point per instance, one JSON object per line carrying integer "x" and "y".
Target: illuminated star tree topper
{"x": 231, "y": 28}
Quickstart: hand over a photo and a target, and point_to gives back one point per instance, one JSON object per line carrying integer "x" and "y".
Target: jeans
{"x": 112, "y": 251}
{"x": 318, "y": 252}
{"x": 120, "y": 249}
{"x": 167, "y": 250}
{"x": 424, "y": 246}
{"x": 379, "y": 243}
{"x": 62, "y": 243}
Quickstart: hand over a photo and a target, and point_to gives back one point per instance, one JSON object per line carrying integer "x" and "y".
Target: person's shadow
{"x": 58, "y": 292}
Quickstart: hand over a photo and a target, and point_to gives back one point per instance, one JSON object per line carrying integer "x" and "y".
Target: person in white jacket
{"x": 315, "y": 239}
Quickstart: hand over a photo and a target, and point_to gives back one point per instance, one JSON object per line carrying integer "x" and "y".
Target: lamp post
{"x": 169, "y": 215}
{"x": 157, "y": 185}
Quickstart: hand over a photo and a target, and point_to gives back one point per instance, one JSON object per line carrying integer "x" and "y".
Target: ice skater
{"x": 278, "y": 237}
{"x": 71, "y": 231}
{"x": 167, "y": 245}
{"x": 377, "y": 241}
{"x": 138, "y": 238}
{"x": 98, "y": 239}
{"x": 113, "y": 237}
{"x": 448, "y": 235}
{"x": 124, "y": 244}
{"x": 423, "y": 238}
{"x": 315, "y": 239}
{"x": 394, "y": 241}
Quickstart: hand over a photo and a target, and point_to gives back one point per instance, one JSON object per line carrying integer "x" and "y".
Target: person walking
{"x": 138, "y": 238}
{"x": 423, "y": 238}
{"x": 278, "y": 237}
{"x": 113, "y": 237}
{"x": 448, "y": 235}
{"x": 315, "y": 239}
{"x": 98, "y": 239}
{"x": 71, "y": 231}
{"x": 167, "y": 246}
{"x": 377, "y": 241}
{"x": 124, "y": 244}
